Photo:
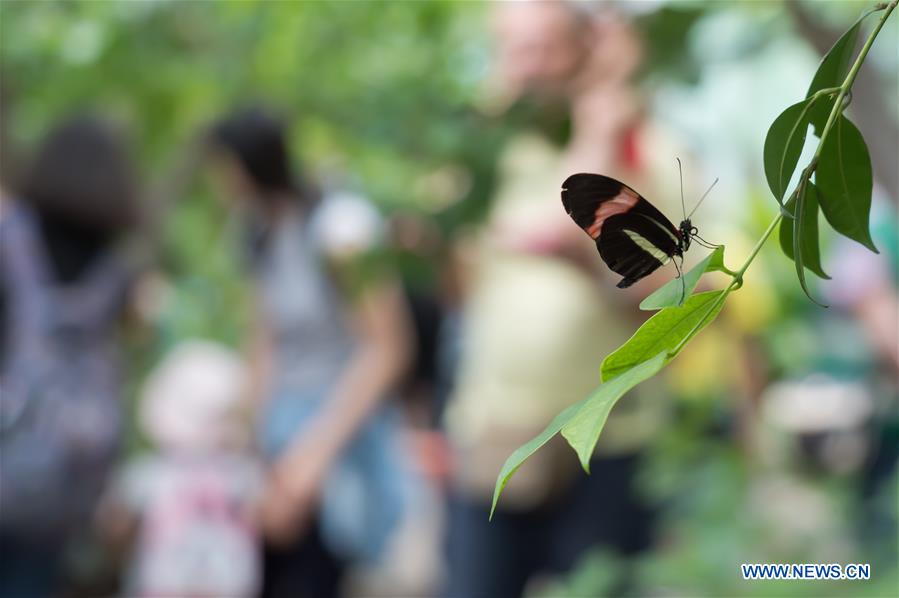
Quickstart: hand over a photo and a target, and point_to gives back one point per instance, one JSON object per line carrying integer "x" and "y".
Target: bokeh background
{"x": 781, "y": 423}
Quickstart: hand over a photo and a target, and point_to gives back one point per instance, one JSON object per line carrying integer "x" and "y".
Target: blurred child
{"x": 194, "y": 497}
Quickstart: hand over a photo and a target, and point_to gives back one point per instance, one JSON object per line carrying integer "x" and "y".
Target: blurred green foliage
{"x": 385, "y": 88}
{"x": 720, "y": 512}
{"x": 379, "y": 97}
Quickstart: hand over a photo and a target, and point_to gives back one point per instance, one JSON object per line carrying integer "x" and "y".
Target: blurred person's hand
{"x": 277, "y": 519}
{"x": 600, "y": 116}
{"x": 292, "y": 494}
{"x": 604, "y": 106}
{"x": 114, "y": 522}
{"x": 433, "y": 454}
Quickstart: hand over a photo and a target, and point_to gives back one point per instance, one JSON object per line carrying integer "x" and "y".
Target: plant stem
{"x": 758, "y": 246}
{"x": 850, "y": 78}
{"x": 831, "y": 119}
{"x": 737, "y": 277}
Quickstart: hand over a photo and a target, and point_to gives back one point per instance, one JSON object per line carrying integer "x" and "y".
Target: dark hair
{"x": 257, "y": 140}
{"x": 82, "y": 174}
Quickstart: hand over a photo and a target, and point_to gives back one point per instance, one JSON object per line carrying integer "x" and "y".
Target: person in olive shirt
{"x": 541, "y": 312}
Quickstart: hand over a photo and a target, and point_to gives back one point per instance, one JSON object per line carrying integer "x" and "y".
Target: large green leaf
{"x": 664, "y": 331}
{"x": 831, "y": 73}
{"x": 845, "y": 182}
{"x": 675, "y": 292}
{"x": 808, "y": 233}
{"x": 783, "y": 146}
{"x": 529, "y": 448}
{"x": 582, "y": 430}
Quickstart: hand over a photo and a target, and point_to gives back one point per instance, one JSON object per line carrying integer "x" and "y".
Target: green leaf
{"x": 799, "y": 227}
{"x": 831, "y": 73}
{"x": 582, "y": 430}
{"x": 809, "y": 241}
{"x": 675, "y": 292}
{"x": 783, "y": 145}
{"x": 786, "y": 231}
{"x": 664, "y": 331}
{"x": 529, "y": 448}
{"x": 716, "y": 260}
{"x": 845, "y": 182}
{"x": 808, "y": 234}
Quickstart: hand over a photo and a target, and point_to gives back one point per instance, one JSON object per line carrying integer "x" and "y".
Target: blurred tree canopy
{"x": 383, "y": 88}
{"x": 381, "y": 96}
{"x": 384, "y": 91}
{"x": 378, "y": 96}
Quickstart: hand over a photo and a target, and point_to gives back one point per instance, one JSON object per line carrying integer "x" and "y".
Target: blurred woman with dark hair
{"x": 329, "y": 346}
{"x": 64, "y": 286}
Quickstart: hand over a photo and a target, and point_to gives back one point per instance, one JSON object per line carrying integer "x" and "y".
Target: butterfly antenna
{"x": 680, "y": 171}
{"x": 704, "y": 195}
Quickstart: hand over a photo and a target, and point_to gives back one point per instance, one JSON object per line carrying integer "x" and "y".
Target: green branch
{"x": 665, "y": 334}
{"x": 838, "y": 107}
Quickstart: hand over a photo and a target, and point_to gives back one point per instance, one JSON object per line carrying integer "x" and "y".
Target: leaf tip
{"x": 815, "y": 301}
{"x": 497, "y": 491}
{"x": 501, "y": 481}
{"x": 819, "y": 273}
{"x": 585, "y": 464}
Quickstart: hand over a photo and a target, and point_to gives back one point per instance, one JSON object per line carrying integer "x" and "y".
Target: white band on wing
{"x": 648, "y": 247}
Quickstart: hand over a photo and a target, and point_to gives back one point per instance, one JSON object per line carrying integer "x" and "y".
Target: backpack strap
{"x": 39, "y": 304}
{"x": 95, "y": 301}
{"x": 24, "y": 275}
{"x": 49, "y": 323}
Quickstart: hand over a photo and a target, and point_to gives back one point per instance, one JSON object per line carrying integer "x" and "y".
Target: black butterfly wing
{"x": 582, "y": 195}
{"x": 634, "y": 246}
{"x": 633, "y": 237}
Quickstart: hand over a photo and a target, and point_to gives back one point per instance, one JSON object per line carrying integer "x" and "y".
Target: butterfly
{"x": 633, "y": 237}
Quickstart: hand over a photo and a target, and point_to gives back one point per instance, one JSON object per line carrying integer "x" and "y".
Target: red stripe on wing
{"x": 626, "y": 199}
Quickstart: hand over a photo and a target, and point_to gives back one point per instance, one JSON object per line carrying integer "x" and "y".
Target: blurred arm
{"x": 260, "y": 355}
{"x": 877, "y": 314}
{"x": 381, "y": 357}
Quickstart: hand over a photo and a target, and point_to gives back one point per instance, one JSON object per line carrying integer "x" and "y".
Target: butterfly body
{"x": 633, "y": 237}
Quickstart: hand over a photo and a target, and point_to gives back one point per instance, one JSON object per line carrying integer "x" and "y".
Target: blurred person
{"x": 417, "y": 243}
{"x": 65, "y": 285}
{"x": 194, "y": 498}
{"x": 538, "y": 318}
{"x": 868, "y": 284}
{"x": 331, "y": 340}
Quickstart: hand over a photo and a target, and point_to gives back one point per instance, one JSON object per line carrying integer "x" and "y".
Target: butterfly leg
{"x": 704, "y": 243}
{"x": 680, "y": 275}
